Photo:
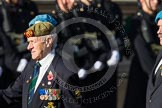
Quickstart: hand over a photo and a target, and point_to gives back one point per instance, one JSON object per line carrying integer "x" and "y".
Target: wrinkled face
{"x": 38, "y": 47}
{"x": 159, "y": 32}
{"x": 152, "y": 5}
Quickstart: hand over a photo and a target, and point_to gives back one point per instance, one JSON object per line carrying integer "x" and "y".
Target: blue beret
{"x": 43, "y": 18}
{"x": 158, "y": 16}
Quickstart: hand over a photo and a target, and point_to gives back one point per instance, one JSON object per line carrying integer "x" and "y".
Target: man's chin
{"x": 34, "y": 58}
{"x": 161, "y": 43}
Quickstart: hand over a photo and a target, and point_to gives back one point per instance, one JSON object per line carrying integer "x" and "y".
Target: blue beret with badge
{"x": 158, "y": 16}
{"x": 43, "y": 18}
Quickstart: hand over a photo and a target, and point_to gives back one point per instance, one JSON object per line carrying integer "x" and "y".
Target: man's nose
{"x": 159, "y": 31}
{"x": 30, "y": 46}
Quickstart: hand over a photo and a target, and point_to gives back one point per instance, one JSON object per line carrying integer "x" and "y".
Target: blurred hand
{"x": 67, "y": 5}
{"x": 86, "y": 2}
{"x": 12, "y": 1}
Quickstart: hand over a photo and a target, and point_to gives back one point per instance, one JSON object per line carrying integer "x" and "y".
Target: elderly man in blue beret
{"x": 41, "y": 84}
{"x": 154, "y": 89}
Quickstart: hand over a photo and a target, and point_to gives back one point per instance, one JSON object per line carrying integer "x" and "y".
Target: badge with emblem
{"x": 29, "y": 33}
{"x": 50, "y": 105}
{"x": 77, "y": 93}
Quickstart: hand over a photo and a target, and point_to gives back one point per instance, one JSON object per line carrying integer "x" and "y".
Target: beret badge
{"x": 29, "y": 33}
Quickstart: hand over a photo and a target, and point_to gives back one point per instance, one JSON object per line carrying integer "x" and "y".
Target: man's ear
{"x": 49, "y": 41}
{"x": 141, "y": 1}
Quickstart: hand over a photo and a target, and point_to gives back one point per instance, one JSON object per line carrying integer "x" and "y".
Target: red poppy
{"x": 50, "y": 76}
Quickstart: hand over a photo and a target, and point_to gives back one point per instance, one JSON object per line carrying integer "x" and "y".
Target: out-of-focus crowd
{"x": 14, "y": 18}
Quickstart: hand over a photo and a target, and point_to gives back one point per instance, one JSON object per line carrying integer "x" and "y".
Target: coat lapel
{"x": 159, "y": 80}
{"x": 153, "y": 71}
{"x": 27, "y": 81}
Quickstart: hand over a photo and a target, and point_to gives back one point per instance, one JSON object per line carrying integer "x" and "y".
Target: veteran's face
{"x": 37, "y": 47}
{"x": 159, "y": 32}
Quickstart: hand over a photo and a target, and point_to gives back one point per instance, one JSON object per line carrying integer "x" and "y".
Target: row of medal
{"x": 50, "y": 94}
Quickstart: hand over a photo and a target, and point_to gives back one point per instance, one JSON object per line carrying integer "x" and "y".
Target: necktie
{"x": 33, "y": 81}
{"x": 158, "y": 73}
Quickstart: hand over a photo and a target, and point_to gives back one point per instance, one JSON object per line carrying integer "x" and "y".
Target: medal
{"x": 42, "y": 97}
{"x": 42, "y": 91}
{"x": 58, "y": 94}
{"x": 45, "y": 97}
{"x": 50, "y": 98}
